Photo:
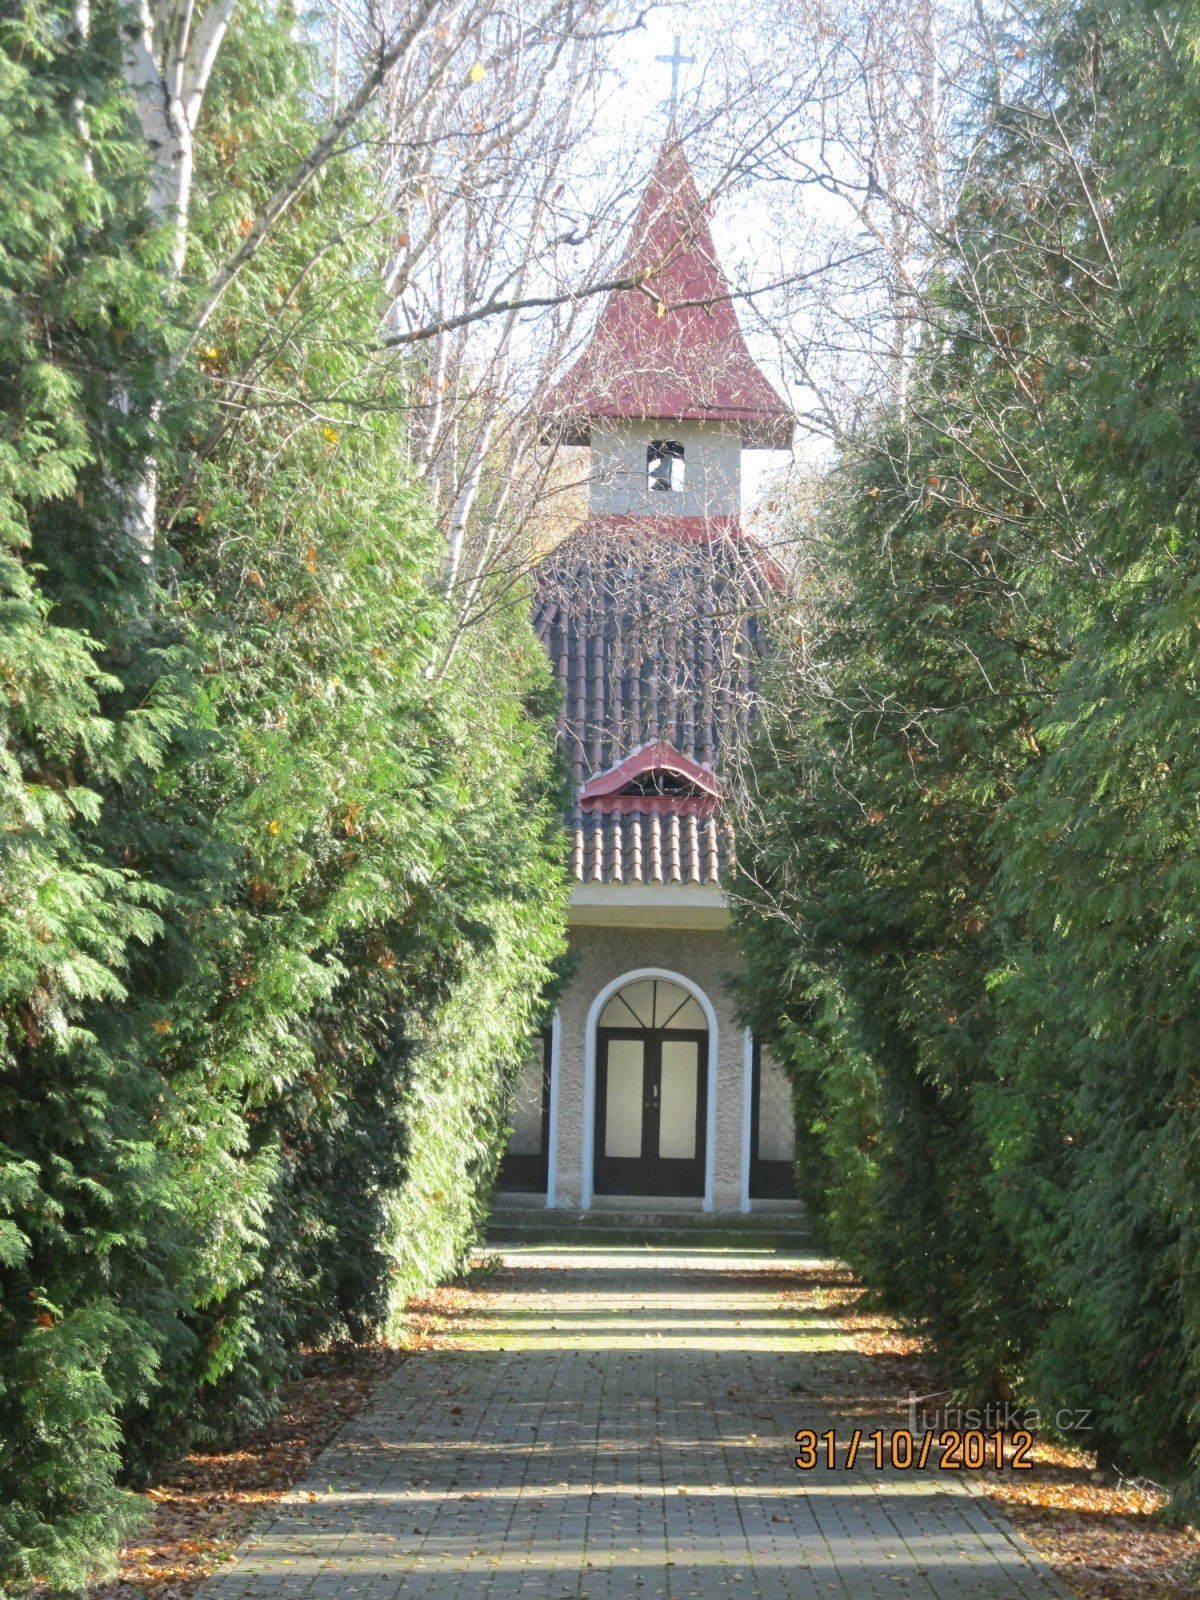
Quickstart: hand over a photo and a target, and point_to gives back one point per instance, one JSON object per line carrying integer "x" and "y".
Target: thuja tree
{"x": 1104, "y": 851}
{"x": 1087, "y": 1116}
{"x": 93, "y": 1264}
{"x": 978, "y": 802}
{"x": 352, "y": 995}
{"x": 278, "y": 895}
{"x": 897, "y": 732}
{"x": 378, "y": 832}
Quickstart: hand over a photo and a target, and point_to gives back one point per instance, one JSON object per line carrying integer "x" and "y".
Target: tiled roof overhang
{"x": 650, "y": 847}
{"x": 757, "y": 566}
{"x": 689, "y": 530}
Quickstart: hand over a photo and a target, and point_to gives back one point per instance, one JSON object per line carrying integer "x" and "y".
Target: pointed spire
{"x": 672, "y": 349}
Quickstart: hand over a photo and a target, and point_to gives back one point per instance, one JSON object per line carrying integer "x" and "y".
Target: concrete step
{"x": 620, "y": 1239}
{"x": 608, "y": 1211}
{"x": 648, "y": 1226}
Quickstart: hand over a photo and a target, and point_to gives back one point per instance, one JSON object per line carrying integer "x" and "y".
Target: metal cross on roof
{"x": 675, "y": 60}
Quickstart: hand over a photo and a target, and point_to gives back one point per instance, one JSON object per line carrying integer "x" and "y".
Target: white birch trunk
{"x": 168, "y": 59}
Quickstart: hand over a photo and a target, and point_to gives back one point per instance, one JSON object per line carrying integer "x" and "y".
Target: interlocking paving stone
{"x": 619, "y": 1426}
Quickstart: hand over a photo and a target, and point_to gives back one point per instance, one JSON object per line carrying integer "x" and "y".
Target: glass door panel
{"x": 623, "y": 1098}
{"x": 524, "y": 1167}
{"x": 679, "y": 1099}
{"x": 772, "y": 1134}
{"x": 651, "y": 1100}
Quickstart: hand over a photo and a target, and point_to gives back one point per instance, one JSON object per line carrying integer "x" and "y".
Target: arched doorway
{"x": 651, "y": 1087}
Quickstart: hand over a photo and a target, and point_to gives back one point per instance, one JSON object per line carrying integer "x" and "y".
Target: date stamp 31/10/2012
{"x": 950, "y": 1450}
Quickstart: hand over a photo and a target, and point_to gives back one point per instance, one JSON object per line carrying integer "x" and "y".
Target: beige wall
{"x": 605, "y": 954}
{"x": 712, "y": 469}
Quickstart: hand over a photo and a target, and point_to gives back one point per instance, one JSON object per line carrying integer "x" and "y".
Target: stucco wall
{"x": 712, "y": 469}
{"x": 605, "y": 954}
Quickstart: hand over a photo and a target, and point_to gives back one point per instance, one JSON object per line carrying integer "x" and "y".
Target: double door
{"x": 651, "y": 1111}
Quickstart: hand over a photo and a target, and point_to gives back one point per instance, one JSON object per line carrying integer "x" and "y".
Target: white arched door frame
{"x": 589, "y": 1072}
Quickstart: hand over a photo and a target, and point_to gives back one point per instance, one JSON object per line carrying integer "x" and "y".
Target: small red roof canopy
{"x": 676, "y": 350}
{"x": 649, "y": 759}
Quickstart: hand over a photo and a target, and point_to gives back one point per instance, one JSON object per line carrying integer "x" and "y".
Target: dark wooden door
{"x": 651, "y": 1111}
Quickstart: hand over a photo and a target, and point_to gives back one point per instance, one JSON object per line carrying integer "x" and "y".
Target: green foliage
{"x": 879, "y": 780}
{"x": 362, "y": 974}
{"x": 280, "y": 881}
{"x": 456, "y": 1105}
{"x": 978, "y": 816}
{"x": 89, "y": 1248}
{"x": 1105, "y": 847}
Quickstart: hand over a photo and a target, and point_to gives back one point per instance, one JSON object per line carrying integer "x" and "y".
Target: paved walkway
{"x": 603, "y": 1426}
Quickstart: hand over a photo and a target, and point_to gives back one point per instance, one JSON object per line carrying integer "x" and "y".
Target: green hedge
{"x": 278, "y": 899}
{"x": 973, "y": 934}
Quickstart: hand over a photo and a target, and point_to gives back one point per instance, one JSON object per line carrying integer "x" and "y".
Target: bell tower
{"x": 666, "y": 394}
{"x": 650, "y": 614}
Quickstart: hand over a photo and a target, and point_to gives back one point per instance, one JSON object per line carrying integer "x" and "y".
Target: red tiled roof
{"x": 687, "y": 846}
{"x": 678, "y": 351}
{"x": 652, "y": 641}
{"x": 684, "y": 530}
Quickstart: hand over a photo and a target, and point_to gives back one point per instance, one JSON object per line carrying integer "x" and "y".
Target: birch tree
{"x": 515, "y": 227}
{"x": 857, "y": 183}
{"x": 428, "y": 55}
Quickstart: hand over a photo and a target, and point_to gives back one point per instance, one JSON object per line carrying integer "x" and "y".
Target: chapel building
{"x": 648, "y": 1090}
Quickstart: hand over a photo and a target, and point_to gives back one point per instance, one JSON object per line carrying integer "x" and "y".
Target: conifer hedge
{"x": 278, "y": 897}
{"x": 972, "y": 927}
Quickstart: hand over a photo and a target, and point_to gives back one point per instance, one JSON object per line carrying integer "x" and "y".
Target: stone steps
{"x": 521, "y": 1220}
